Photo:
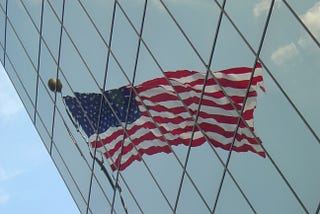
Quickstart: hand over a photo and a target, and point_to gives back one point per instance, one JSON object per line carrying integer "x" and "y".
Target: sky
{"x": 288, "y": 52}
{"x": 29, "y": 181}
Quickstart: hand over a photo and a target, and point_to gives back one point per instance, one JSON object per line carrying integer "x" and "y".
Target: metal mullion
{"x": 318, "y": 141}
{"x": 272, "y": 77}
{"x": 288, "y": 99}
{"x": 180, "y": 163}
{"x": 100, "y": 110}
{"x": 5, "y": 34}
{"x": 189, "y": 150}
{"x": 20, "y": 81}
{"x": 91, "y": 126}
{"x": 52, "y": 56}
{"x": 21, "y": 43}
{"x": 57, "y": 73}
{"x": 34, "y": 65}
{"x": 84, "y": 62}
{"x": 277, "y": 168}
{"x": 244, "y": 104}
{"x": 115, "y": 59}
{"x": 108, "y": 102}
{"x": 38, "y": 63}
{"x": 48, "y": 93}
{"x": 162, "y": 70}
{"x": 221, "y": 161}
{"x": 203, "y": 62}
{"x": 96, "y": 83}
{"x": 129, "y": 81}
{"x": 130, "y": 22}
{"x": 198, "y": 110}
{"x": 209, "y": 65}
{"x": 88, "y": 69}
{"x": 301, "y": 22}
{"x": 130, "y": 96}
{"x": 74, "y": 45}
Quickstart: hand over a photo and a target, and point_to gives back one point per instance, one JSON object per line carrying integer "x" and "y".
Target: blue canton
{"x": 90, "y": 102}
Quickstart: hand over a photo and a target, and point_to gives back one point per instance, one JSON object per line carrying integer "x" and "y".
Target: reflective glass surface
{"x": 103, "y": 45}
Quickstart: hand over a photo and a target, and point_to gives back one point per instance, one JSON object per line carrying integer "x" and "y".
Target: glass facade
{"x": 101, "y": 45}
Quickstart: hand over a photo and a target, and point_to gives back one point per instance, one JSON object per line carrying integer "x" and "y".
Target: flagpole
{"x": 55, "y": 85}
{"x": 100, "y": 162}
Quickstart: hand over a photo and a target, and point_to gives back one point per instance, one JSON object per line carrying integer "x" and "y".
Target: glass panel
{"x": 24, "y": 28}
{"x": 231, "y": 200}
{"x": 2, "y": 34}
{"x": 167, "y": 171}
{"x": 48, "y": 70}
{"x": 21, "y": 63}
{"x": 44, "y": 132}
{"x": 56, "y": 5}
{"x": 67, "y": 121}
{"x": 51, "y": 34}
{"x": 205, "y": 169}
{"x": 293, "y": 60}
{"x": 288, "y": 54}
{"x": 124, "y": 47}
{"x": 231, "y": 51}
{"x": 45, "y": 108}
{"x": 34, "y": 8}
{"x": 249, "y": 17}
{"x": 88, "y": 43}
{"x": 190, "y": 202}
{"x": 165, "y": 41}
{"x": 20, "y": 88}
{"x": 201, "y": 27}
{"x": 289, "y": 57}
{"x": 101, "y": 14}
{"x": 74, "y": 161}
{"x": 301, "y": 8}
{"x": 146, "y": 186}
{"x": 3, "y": 3}
{"x": 98, "y": 199}
{"x": 68, "y": 178}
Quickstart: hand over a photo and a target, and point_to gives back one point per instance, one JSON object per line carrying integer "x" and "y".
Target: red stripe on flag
{"x": 161, "y": 101}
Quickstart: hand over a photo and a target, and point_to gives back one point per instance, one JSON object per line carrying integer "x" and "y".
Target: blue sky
{"x": 29, "y": 181}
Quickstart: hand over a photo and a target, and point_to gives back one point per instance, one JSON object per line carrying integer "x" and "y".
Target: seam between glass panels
{"x": 296, "y": 16}
{"x": 100, "y": 110}
{"x": 5, "y": 33}
{"x": 57, "y": 73}
{"x": 38, "y": 63}
{"x": 77, "y": 98}
{"x": 25, "y": 90}
{"x": 272, "y": 77}
{"x": 243, "y": 107}
{"x": 155, "y": 62}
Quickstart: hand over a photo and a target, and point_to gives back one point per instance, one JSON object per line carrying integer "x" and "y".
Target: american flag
{"x": 158, "y": 118}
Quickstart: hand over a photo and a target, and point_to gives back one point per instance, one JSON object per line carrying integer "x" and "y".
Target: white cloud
{"x": 285, "y": 53}
{"x": 263, "y": 7}
{"x": 4, "y": 197}
{"x": 311, "y": 18}
{"x": 5, "y": 175}
{"x": 312, "y": 21}
{"x": 9, "y": 101}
